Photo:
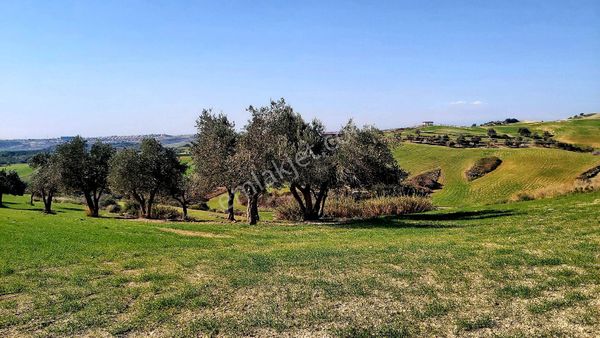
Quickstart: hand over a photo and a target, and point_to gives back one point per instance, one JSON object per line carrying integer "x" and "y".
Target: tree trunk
{"x": 31, "y": 199}
{"x": 310, "y": 210}
{"x": 230, "y": 200}
{"x": 149, "y": 205}
{"x": 47, "y": 203}
{"x": 185, "y": 211}
{"x": 294, "y": 191}
{"x": 90, "y": 204}
{"x": 1, "y": 200}
{"x": 252, "y": 209}
{"x": 96, "y": 204}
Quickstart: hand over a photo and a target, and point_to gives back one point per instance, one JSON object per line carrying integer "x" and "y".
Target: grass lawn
{"x": 522, "y": 170}
{"x": 23, "y": 169}
{"x": 520, "y": 269}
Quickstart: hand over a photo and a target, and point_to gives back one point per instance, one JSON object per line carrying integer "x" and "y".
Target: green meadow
{"x": 522, "y": 170}
{"x": 517, "y": 269}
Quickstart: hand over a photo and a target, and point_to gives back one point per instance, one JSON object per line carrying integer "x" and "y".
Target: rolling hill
{"x": 581, "y": 131}
{"x": 522, "y": 170}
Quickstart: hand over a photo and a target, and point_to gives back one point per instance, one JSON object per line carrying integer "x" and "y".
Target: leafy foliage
{"x": 145, "y": 174}
{"x": 11, "y": 183}
{"x": 85, "y": 171}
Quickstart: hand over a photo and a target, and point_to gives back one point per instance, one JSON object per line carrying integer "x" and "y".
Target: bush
{"x": 483, "y": 166}
{"x": 166, "y": 213}
{"x": 114, "y": 208}
{"x": 131, "y": 209}
{"x": 107, "y": 200}
{"x": 345, "y": 207}
{"x": 524, "y": 197}
{"x": 288, "y": 210}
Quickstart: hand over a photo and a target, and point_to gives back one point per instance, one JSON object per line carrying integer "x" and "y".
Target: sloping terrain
{"x": 583, "y": 131}
{"x": 23, "y": 169}
{"x": 522, "y": 170}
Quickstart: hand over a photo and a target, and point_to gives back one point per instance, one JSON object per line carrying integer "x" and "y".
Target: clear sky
{"x": 136, "y": 67}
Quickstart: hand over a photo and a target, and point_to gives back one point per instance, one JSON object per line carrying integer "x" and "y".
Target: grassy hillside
{"x": 22, "y": 169}
{"x": 520, "y": 269}
{"x": 584, "y": 131}
{"x": 522, "y": 170}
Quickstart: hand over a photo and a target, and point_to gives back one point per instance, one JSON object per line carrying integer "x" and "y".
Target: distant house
{"x": 427, "y": 123}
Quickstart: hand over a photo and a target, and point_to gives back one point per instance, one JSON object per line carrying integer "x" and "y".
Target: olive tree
{"x": 145, "y": 174}
{"x": 187, "y": 190}
{"x": 85, "y": 171}
{"x": 213, "y": 151}
{"x": 256, "y": 153}
{"x": 11, "y": 183}
{"x": 277, "y": 147}
{"x": 45, "y": 181}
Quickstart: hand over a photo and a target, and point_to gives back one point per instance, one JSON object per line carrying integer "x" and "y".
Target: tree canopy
{"x": 11, "y": 183}
{"x": 145, "y": 174}
{"x": 85, "y": 171}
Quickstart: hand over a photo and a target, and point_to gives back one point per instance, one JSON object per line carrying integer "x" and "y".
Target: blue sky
{"x": 133, "y": 67}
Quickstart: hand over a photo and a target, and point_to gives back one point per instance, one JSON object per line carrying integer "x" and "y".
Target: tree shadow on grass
{"x": 460, "y": 215}
{"x": 430, "y": 220}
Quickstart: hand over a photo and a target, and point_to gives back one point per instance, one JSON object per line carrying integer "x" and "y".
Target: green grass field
{"x": 522, "y": 170}
{"x": 519, "y": 269}
{"x": 23, "y": 169}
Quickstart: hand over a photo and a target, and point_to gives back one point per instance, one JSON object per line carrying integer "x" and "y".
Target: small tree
{"x": 85, "y": 171}
{"x": 11, "y": 183}
{"x": 525, "y": 132}
{"x": 492, "y": 133}
{"x": 145, "y": 174}
{"x": 188, "y": 190}
{"x": 45, "y": 181}
{"x": 214, "y": 151}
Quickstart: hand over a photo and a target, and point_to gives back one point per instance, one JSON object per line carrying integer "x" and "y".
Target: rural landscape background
{"x": 315, "y": 169}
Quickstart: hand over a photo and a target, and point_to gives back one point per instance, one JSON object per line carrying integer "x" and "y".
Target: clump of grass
{"x": 569, "y": 300}
{"x": 578, "y": 186}
{"x": 362, "y": 332}
{"x": 518, "y": 291}
{"x": 475, "y": 324}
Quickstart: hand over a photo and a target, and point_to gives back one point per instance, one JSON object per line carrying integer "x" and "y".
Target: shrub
{"x": 107, "y": 201}
{"x": 288, "y": 210}
{"x": 114, "y": 208}
{"x": 483, "y": 166}
{"x": 589, "y": 174}
{"x": 394, "y": 206}
{"x": 345, "y": 207}
{"x": 524, "y": 197}
{"x": 424, "y": 183}
{"x": 130, "y": 209}
{"x": 166, "y": 213}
